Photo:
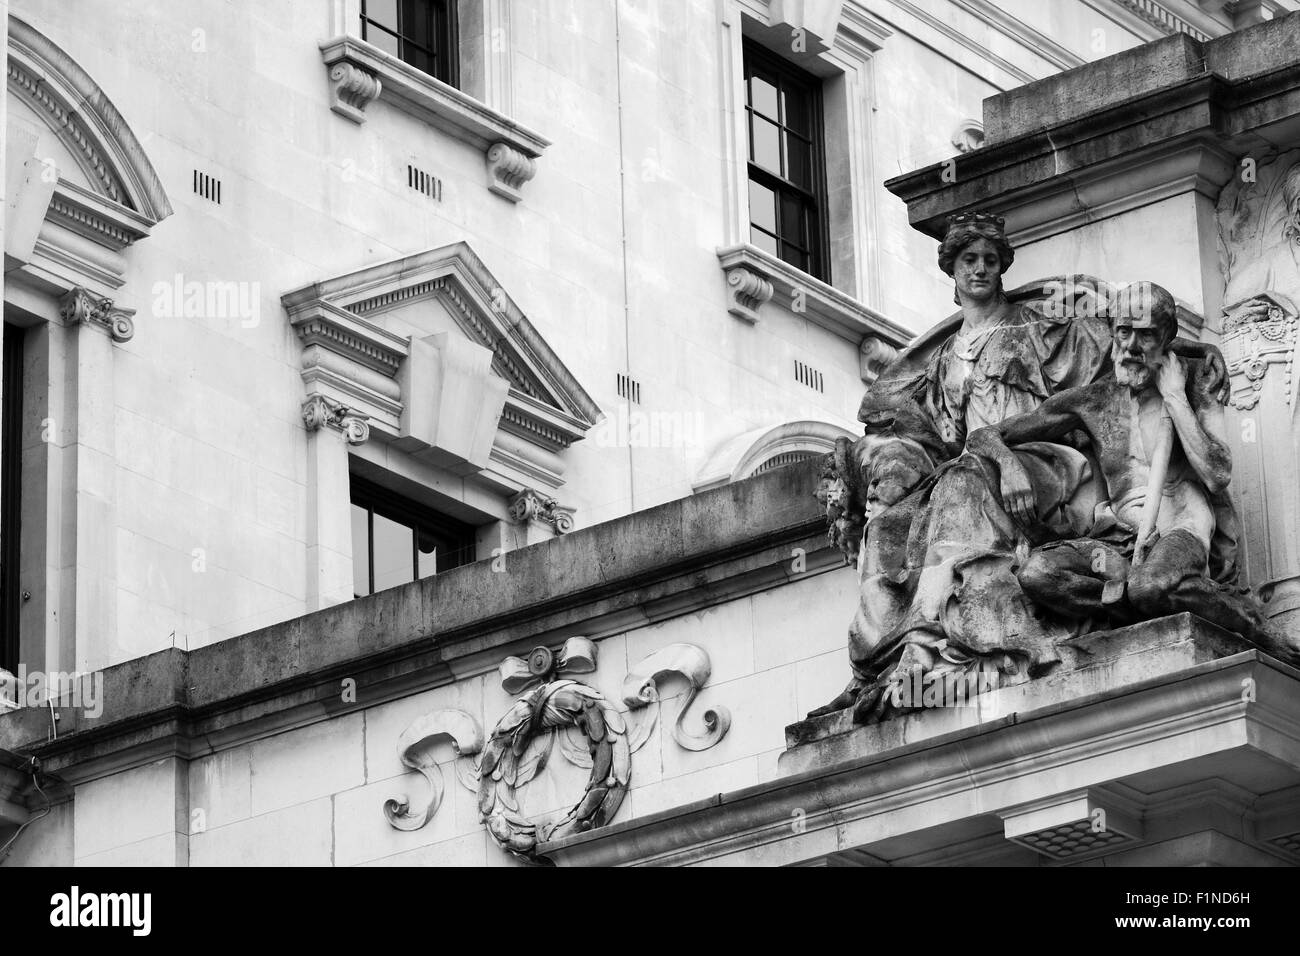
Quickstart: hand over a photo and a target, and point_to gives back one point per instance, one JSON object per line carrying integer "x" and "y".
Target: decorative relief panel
{"x": 1259, "y": 253}
{"x": 555, "y": 710}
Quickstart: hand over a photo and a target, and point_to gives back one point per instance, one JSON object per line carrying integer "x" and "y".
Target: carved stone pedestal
{"x": 1092, "y": 664}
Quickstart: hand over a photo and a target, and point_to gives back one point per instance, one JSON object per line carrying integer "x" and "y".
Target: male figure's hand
{"x": 1171, "y": 379}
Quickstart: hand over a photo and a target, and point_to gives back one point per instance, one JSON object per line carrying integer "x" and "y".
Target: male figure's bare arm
{"x": 1201, "y": 432}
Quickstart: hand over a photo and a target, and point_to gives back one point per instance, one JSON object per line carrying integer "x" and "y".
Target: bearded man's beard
{"x": 1135, "y": 376}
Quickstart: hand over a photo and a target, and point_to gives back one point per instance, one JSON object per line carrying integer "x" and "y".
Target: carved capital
{"x": 1259, "y": 333}
{"x": 508, "y": 170}
{"x": 531, "y": 505}
{"x": 747, "y": 291}
{"x": 81, "y": 307}
{"x": 352, "y": 89}
{"x": 319, "y": 412}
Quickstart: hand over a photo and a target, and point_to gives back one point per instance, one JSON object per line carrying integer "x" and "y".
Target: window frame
{"x": 442, "y": 43}
{"x": 377, "y": 499}
{"x": 757, "y": 58}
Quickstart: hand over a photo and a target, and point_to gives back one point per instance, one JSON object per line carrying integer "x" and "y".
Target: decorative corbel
{"x": 352, "y": 89}
{"x": 80, "y": 306}
{"x": 532, "y": 505}
{"x": 747, "y": 291}
{"x": 319, "y": 412}
{"x": 508, "y": 170}
{"x": 874, "y": 355}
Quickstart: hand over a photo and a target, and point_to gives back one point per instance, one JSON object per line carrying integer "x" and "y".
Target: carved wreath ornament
{"x": 591, "y": 730}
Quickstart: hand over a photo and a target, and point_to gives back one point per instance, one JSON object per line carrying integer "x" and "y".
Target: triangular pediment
{"x": 372, "y": 315}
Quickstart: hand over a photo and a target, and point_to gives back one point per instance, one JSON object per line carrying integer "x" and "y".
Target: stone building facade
{"x": 533, "y": 318}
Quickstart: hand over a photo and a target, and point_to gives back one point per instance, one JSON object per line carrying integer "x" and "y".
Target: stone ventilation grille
{"x": 423, "y": 182}
{"x": 209, "y": 187}
{"x": 783, "y": 459}
{"x": 1073, "y": 839}
{"x": 807, "y": 375}
{"x": 1288, "y": 844}
{"x": 629, "y": 388}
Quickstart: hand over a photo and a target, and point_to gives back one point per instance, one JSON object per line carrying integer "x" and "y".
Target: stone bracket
{"x": 507, "y": 171}
{"x": 320, "y": 412}
{"x": 532, "y": 505}
{"x": 747, "y": 291}
{"x": 361, "y": 73}
{"x": 352, "y": 89}
{"x": 80, "y": 306}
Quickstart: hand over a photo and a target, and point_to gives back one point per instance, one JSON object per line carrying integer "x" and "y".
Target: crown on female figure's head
{"x": 965, "y": 229}
{"x": 978, "y": 218}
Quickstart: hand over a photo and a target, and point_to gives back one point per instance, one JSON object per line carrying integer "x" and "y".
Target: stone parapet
{"x": 667, "y": 561}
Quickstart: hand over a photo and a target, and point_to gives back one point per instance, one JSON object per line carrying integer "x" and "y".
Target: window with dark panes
{"x": 396, "y": 541}
{"x": 419, "y": 32}
{"x": 787, "y": 205}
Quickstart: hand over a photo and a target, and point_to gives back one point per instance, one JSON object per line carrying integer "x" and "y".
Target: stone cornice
{"x": 755, "y": 277}
{"x": 643, "y": 568}
{"x": 360, "y": 73}
{"x": 87, "y": 214}
{"x": 898, "y": 13}
{"x": 1083, "y": 170}
{"x": 1151, "y": 122}
{"x": 1016, "y": 29}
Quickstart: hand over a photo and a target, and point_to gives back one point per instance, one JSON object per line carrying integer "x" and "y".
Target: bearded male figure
{"x": 1165, "y": 462}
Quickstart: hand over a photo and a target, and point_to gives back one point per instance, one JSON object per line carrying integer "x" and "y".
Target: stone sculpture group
{"x": 1046, "y": 462}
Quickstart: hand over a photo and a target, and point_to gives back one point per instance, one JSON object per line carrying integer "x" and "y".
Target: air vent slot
{"x": 807, "y": 375}
{"x": 208, "y": 187}
{"x": 423, "y": 182}
{"x": 629, "y": 388}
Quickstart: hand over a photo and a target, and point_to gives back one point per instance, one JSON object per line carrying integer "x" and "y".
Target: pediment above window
{"x": 81, "y": 188}
{"x": 765, "y": 448}
{"x": 437, "y": 358}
